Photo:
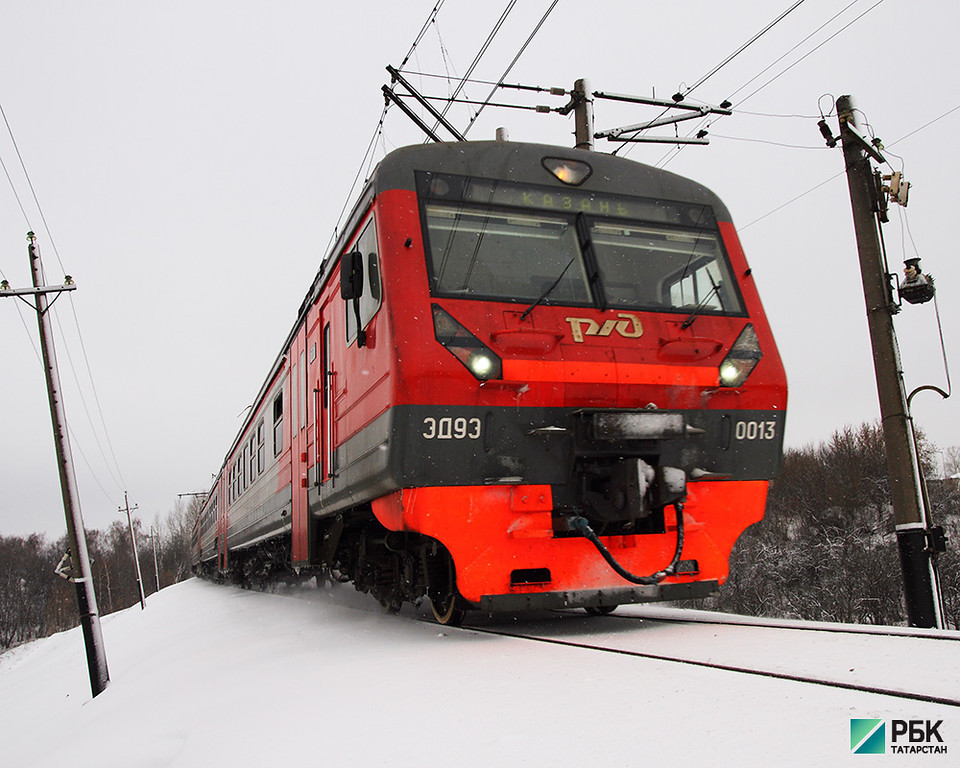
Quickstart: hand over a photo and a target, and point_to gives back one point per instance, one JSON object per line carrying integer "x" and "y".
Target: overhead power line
{"x": 76, "y": 319}
{"x": 838, "y": 175}
{"x": 431, "y": 17}
{"x": 673, "y": 153}
{"x": 744, "y": 47}
{"x": 516, "y": 58}
{"x": 476, "y": 59}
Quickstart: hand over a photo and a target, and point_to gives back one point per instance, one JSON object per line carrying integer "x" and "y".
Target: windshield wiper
{"x": 548, "y": 291}
{"x": 693, "y": 315}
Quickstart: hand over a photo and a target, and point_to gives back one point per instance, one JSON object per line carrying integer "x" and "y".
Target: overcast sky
{"x": 191, "y": 160}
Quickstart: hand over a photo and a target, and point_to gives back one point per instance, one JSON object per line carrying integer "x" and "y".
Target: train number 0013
{"x": 449, "y": 428}
{"x": 755, "y": 430}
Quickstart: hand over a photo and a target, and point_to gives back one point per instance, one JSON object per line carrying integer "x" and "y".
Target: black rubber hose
{"x": 581, "y": 524}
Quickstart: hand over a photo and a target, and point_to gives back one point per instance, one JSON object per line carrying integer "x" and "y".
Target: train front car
{"x": 586, "y": 400}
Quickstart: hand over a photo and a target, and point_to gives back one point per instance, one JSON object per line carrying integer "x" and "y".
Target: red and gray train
{"x": 525, "y": 377}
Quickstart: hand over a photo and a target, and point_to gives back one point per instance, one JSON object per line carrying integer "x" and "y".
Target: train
{"x": 524, "y": 378}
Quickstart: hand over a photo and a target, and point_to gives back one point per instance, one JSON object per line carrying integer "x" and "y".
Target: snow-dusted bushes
{"x": 826, "y": 548}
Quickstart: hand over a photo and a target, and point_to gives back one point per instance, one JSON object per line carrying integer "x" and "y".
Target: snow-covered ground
{"x": 210, "y": 675}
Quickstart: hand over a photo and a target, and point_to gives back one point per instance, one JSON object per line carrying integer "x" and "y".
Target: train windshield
{"x": 649, "y": 267}
{"x": 508, "y": 242}
{"x": 486, "y": 254}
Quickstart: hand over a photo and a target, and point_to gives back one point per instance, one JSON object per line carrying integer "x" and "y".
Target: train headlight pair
{"x": 476, "y": 356}
{"x": 741, "y": 359}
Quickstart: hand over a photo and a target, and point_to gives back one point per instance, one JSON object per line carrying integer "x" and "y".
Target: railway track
{"x": 678, "y": 616}
{"x": 895, "y": 664}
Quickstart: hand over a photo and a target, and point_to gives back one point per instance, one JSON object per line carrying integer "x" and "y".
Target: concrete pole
{"x": 917, "y": 556}
{"x": 156, "y": 567}
{"x": 583, "y": 114}
{"x": 136, "y": 556}
{"x": 80, "y": 573}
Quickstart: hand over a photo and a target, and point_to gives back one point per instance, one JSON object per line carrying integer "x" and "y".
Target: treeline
{"x": 35, "y": 601}
{"x": 826, "y": 548}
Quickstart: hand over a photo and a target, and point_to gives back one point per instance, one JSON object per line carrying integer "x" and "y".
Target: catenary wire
{"x": 780, "y": 58}
{"x": 476, "y": 59}
{"x": 118, "y": 478}
{"x": 516, "y": 58}
{"x": 772, "y": 143}
{"x": 810, "y": 52}
{"x": 837, "y": 175}
{"x": 431, "y": 17}
{"x": 746, "y": 45}
{"x": 676, "y": 150}
{"x": 364, "y": 164}
{"x": 76, "y": 319}
{"x": 730, "y": 58}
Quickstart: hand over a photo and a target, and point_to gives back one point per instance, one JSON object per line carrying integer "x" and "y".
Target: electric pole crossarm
{"x": 38, "y": 290}
{"x": 615, "y": 133}
{"x": 661, "y": 139}
{"x": 722, "y": 110}
{"x": 857, "y": 139}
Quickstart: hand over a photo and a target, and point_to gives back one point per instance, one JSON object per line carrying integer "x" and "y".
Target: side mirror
{"x": 351, "y": 275}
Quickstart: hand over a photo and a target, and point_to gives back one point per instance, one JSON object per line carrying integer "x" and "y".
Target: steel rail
{"x": 877, "y": 690}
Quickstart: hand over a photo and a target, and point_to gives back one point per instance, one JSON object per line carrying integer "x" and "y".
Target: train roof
{"x": 513, "y": 161}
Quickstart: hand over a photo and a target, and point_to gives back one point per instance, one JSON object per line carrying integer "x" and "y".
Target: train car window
{"x": 260, "y": 447}
{"x": 480, "y": 253}
{"x": 294, "y": 400}
{"x": 252, "y": 451}
{"x": 650, "y": 267}
{"x": 278, "y": 424}
{"x": 302, "y": 416}
{"x": 371, "y": 298}
{"x": 373, "y": 278}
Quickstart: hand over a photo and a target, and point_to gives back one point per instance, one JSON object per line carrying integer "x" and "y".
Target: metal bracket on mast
{"x": 695, "y": 111}
{"x": 388, "y": 93}
{"x": 37, "y": 290}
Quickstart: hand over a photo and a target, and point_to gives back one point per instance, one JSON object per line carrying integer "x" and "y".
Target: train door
{"x": 298, "y": 448}
{"x": 325, "y": 413}
{"x": 221, "y": 540}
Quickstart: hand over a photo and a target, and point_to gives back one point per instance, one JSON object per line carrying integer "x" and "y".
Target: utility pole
{"x": 917, "y": 541}
{"x": 582, "y": 102}
{"x": 76, "y": 562}
{"x": 156, "y": 568}
{"x": 133, "y": 541}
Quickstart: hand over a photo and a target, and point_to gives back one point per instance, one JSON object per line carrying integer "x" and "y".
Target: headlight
{"x": 741, "y": 359}
{"x": 476, "y": 356}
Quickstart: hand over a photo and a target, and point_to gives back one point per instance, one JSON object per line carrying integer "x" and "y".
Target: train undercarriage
{"x": 393, "y": 567}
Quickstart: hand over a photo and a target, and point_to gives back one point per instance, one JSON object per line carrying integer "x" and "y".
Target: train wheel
{"x": 445, "y": 602}
{"x": 392, "y": 606}
{"x": 600, "y": 610}
{"x": 448, "y": 611}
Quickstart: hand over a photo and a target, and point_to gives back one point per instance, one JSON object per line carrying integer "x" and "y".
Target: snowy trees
{"x": 826, "y": 549}
{"x": 35, "y": 602}
{"x": 24, "y": 589}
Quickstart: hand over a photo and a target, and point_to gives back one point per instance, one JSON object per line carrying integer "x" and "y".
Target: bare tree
{"x": 951, "y": 461}
{"x": 826, "y": 548}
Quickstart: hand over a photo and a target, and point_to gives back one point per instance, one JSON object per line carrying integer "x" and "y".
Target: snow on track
{"x": 923, "y": 667}
{"x": 210, "y": 675}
